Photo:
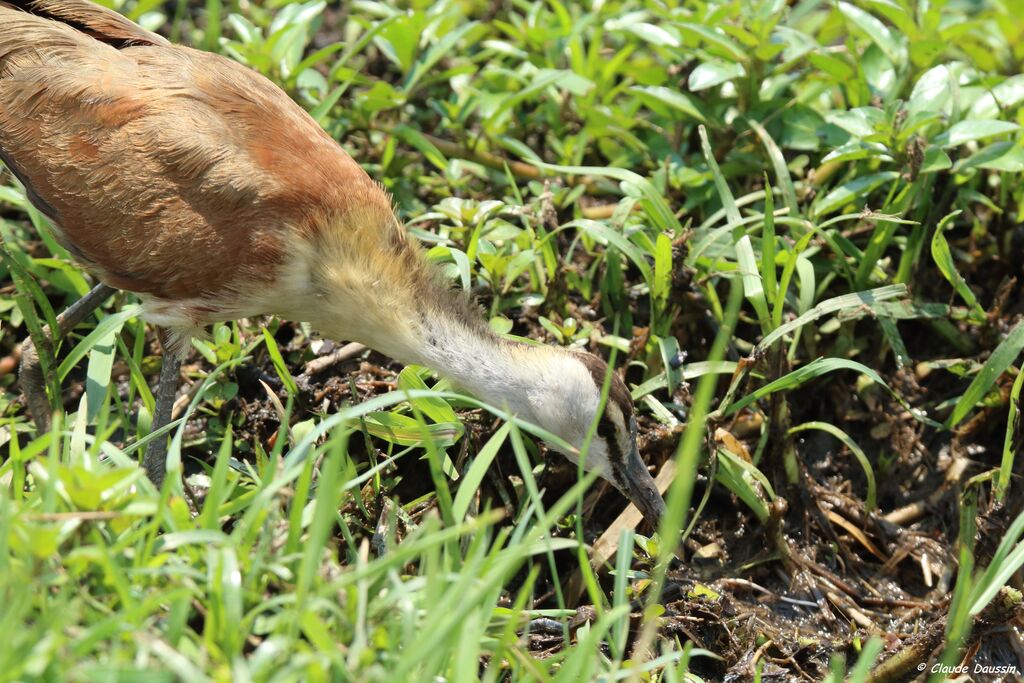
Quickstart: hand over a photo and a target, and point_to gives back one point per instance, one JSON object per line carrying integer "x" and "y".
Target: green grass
{"x": 818, "y": 203}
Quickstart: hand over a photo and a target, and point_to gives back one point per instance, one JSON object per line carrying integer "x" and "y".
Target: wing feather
{"x": 97, "y": 22}
{"x": 169, "y": 171}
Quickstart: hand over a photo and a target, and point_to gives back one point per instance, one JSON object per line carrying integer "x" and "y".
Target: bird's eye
{"x": 605, "y": 428}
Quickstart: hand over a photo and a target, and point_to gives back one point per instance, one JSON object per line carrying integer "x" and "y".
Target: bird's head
{"x": 566, "y": 401}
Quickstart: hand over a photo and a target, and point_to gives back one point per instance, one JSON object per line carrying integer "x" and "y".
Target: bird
{"x": 200, "y": 186}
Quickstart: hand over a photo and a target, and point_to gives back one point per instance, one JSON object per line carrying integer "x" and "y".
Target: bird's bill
{"x": 638, "y": 485}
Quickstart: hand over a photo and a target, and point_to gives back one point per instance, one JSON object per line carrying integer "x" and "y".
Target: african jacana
{"x": 199, "y": 185}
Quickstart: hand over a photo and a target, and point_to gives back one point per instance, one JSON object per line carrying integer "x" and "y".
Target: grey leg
{"x": 155, "y": 461}
{"x": 30, "y": 374}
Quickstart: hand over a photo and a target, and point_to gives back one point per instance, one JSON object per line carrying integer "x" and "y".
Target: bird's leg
{"x": 155, "y": 461}
{"x": 30, "y": 373}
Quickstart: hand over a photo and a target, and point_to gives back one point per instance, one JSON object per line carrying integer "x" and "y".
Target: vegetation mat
{"x": 793, "y": 228}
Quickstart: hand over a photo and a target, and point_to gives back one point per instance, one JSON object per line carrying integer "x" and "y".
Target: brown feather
{"x": 169, "y": 171}
{"x": 98, "y": 22}
{"x": 618, "y": 394}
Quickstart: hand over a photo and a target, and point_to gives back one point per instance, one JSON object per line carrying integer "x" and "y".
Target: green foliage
{"x": 596, "y": 171}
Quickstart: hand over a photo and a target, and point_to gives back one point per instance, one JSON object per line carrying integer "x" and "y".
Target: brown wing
{"x": 98, "y": 22}
{"x": 169, "y": 171}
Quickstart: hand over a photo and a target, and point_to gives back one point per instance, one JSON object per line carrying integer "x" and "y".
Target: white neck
{"x": 500, "y": 372}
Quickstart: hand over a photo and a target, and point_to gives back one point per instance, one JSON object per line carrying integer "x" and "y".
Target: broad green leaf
{"x": 935, "y": 159}
{"x": 999, "y": 100}
{"x": 856, "y": 150}
{"x": 1012, "y": 161}
{"x": 713, "y": 37}
{"x": 654, "y": 34}
{"x": 885, "y": 38}
{"x": 437, "y": 409}
{"x": 973, "y": 129}
{"x": 861, "y": 122}
{"x": 932, "y": 92}
{"x": 709, "y": 74}
{"x": 897, "y": 13}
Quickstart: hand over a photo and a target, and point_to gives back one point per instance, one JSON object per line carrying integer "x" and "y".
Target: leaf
{"x": 853, "y": 191}
{"x": 792, "y": 380}
{"x": 732, "y": 213}
{"x": 887, "y": 41}
{"x": 405, "y": 431}
{"x": 417, "y": 140}
{"x": 944, "y": 260}
{"x": 721, "y": 43}
{"x": 670, "y": 357}
{"x": 879, "y": 72}
{"x": 436, "y": 408}
{"x": 246, "y": 31}
{"x": 801, "y": 127}
{"x": 437, "y": 52}
{"x": 279, "y": 365}
{"x": 897, "y": 14}
{"x": 606, "y": 235}
{"x": 739, "y": 476}
{"x": 474, "y": 475}
{"x": 999, "y": 100}
{"x": 915, "y": 122}
{"x": 973, "y": 129}
{"x": 1011, "y": 439}
{"x": 1012, "y": 161}
{"x": 932, "y": 92}
{"x": 1008, "y": 558}
{"x": 661, "y": 283}
{"x": 1005, "y": 355}
{"x": 653, "y": 34}
{"x": 652, "y": 200}
{"x": 97, "y": 375}
{"x": 869, "y": 473}
{"x": 935, "y": 160}
{"x": 709, "y": 74}
{"x": 689, "y": 371}
{"x": 753, "y": 288}
{"x": 861, "y": 122}
{"x": 102, "y": 331}
{"x": 782, "y": 177}
{"x": 673, "y": 99}
{"x": 856, "y": 150}
{"x": 838, "y": 69}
